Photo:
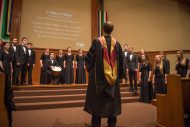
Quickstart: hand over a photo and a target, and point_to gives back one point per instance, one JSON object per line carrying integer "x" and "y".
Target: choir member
{"x": 43, "y": 60}
{"x": 60, "y": 60}
{"x": 166, "y": 62}
{"x": 13, "y": 49}
{"x": 51, "y": 63}
{"x": 69, "y": 66}
{"x": 145, "y": 71}
{"x": 182, "y": 64}
{"x": 31, "y": 62}
{"x": 159, "y": 77}
{"x": 1, "y": 46}
{"x": 6, "y": 62}
{"x": 6, "y": 65}
{"x": 104, "y": 62}
{"x": 142, "y": 54}
{"x": 80, "y": 68}
{"x": 21, "y": 57}
{"x": 125, "y": 55}
{"x": 132, "y": 69}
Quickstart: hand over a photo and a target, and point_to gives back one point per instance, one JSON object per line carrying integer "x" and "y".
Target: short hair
{"x": 30, "y": 44}
{"x": 23, "y": 38}
{"x": 108, "y": 27}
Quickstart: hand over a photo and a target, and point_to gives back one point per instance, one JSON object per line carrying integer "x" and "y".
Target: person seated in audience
{"x": 159, "y": 76}
{"x": 145, "y": 72}
{"x": 182, "y": 65}
{"x": 51, "y": 66}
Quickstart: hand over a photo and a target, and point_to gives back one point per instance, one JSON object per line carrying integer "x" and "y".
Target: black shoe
{"x": 130, "y": 89}
{"x": 30, "y": 84}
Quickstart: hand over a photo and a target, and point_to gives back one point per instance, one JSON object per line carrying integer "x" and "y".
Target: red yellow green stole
{"x": 109, "y": 62}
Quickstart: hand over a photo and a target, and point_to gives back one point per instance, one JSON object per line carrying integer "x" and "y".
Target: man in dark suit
{"x": 125, "y": 55}
{"x": 13, "y": 50}
{"x": 31, "y": 62}
{"x": 21, "y": 57}
{"x": 52, "y": 62}
{"x": 132, "y": 68}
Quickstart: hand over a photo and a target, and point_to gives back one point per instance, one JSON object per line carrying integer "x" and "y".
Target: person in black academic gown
{"x": 21, "y": 57}
{"x": 69, "y": 67}
{"x": 31, "y": 62}
{"x": 13, "y": 49}
{"x": 80, "y": 68}
{"x": 166, "y": 62}
{"x": 6, "y": 67}
{"x": 60, "y": 61}
{"x": 104, "y": 62}
{"x": 182, "y": 65}
{"x": 145, "y": 71}
{"x": 159, "y": 77}
{"x": 43, "y": 61}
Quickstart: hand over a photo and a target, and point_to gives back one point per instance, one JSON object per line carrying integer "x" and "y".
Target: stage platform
{"x": 37, "y": 97}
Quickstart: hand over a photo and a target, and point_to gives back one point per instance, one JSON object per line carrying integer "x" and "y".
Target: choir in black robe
{"x": 13, "y": 50}
{"x": 6, "y": 59}
{"x": 182, "y": 67}
{"x": 102, "y": 100}
{"x": 43, "y": 75}
{"x": 69, "y": 71}
{"x": 159, "y": 81}
{"x": 60, "y": 60}
{"x": 80, "y": 71}
{"x": 146, "y": 86}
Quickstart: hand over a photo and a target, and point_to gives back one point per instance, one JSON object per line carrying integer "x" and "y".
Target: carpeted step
{"x": 62, "y": 104}
{"x": 47, "y": 92}
{"x": 51, "y": 98}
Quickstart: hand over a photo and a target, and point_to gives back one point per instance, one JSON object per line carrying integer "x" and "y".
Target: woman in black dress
{"x": 80, "y": 68}
{"x": 6, "y": 65}
{"x": 69, "y": 66}
{"x": 182, "y": 65}
{"x": 145, "y": 71}
{"x": 60, "y": 61}
{"x": 159, "y": 77}
{"x": 43, "y": 60}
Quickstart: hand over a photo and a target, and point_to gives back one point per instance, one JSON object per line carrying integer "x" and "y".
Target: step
{"x": 52, "y": 87}
{"x": 50, "y": 98}
{"x": 62, "y": 104}
{"x": 19, "y": 93}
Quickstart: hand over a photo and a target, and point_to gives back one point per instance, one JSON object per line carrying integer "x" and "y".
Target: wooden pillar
{"x": 16, "y": 19}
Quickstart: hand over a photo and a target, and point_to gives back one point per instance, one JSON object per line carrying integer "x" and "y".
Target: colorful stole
{"x": 109, "y": 62}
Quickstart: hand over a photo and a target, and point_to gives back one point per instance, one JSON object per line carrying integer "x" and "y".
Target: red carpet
{"x": 133, "y": 115}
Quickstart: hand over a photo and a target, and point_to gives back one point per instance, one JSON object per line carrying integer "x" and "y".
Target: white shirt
{"x": 14, "y": 47}
{"x": 125, "y": 54}
{"x": 24, "y": 48}
{"x": 52, "y": 61}
{"x": 29, "y": 52}
{"x": 131, "y": 57}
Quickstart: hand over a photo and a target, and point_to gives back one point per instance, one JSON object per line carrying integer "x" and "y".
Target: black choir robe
{"x": 102, "y": 100}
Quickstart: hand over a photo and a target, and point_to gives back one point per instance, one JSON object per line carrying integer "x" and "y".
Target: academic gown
{"x": 102, "y": 100}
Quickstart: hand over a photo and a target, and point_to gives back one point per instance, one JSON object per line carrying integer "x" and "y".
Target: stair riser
{"x": 51, "y": 99}
{"x": 70, "y": 105}
{"x": 60, "y": 92}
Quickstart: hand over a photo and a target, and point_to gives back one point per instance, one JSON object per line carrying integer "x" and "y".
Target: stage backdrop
{"x": 57, "y": 24}
{"x": 150, "y": 24}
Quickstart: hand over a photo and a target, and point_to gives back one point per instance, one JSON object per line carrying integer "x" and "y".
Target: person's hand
{"x": 84, "y": 66}
{"x": 18, "y": 64}
{"x": 28, "y": 65}
{"x": 2, "y": 68}
{"x": 149, "y": 79}
{"x": 136, "y": 70}
{"x": 186, "y": 76}
{"x": 33, "y": 65}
